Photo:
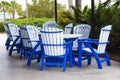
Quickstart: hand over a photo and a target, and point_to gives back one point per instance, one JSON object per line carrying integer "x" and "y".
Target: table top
{"x": 71, "y": 35}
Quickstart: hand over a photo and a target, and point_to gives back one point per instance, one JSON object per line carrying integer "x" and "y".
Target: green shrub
{"x": 1, "y": 27}
{"x": 77, "y": 17}
{"x": 105, "y": 14}
{"x": 31, "y": 21}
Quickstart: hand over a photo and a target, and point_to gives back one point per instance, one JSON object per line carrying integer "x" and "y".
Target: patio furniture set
{"x": 52, "y": 46}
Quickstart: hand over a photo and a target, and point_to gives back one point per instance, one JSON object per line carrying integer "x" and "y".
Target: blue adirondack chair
{"x": 9, "y": 38}
{"x": 50, "y": 24}
{"x": 89, "y": 51}
{"x": 53, "y": 47}
{"x": 13, "y": 37}
{"x": 82, "y": 29}
{"x": 31, "y": 43}
{"x": 68, "y": 28}
{"x": 26, "y": 46}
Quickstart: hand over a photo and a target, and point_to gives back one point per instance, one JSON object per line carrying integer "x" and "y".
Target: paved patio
{"x": 12, "y": 68}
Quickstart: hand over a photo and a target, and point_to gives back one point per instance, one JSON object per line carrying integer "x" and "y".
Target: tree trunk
{"x": 26, "y": 12}
{"x": 4, "y": 14}
{"x": 4, "y": 17}
{"x": 78, "y": 3}
{"x": 70, "y": 4}
{"x": 13, "y": 14}
{"x": 99, "y": 1}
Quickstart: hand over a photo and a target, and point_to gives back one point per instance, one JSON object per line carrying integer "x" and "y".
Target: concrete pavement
{"x": 12, "y": 68}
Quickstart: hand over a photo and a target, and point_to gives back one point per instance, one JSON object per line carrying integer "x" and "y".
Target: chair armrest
{"x": 64, "y": 44}
{"x": 96, "y": 41}
{"x": 69, "y": 39}
{"x": 38, "y": 44}
{"x": 68, "y": 43}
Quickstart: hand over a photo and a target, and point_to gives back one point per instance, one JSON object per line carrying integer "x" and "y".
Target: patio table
{"x": 71, "y": 37}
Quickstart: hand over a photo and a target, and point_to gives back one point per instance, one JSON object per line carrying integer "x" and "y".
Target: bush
{"x": 31, "y": 21}
{"x": 1, "y": 27}
{"x": 105, "y": 14}
{"x": 77, "y": 17}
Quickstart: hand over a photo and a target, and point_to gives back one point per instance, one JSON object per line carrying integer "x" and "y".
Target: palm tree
{"x": 4, "y": 8}
{"x": 100, "y": 1}
{"x": 70, "y": 4}
{"x": 26, "y": 12}
{"x": 117, "y": 3}
{"x": 15, "y": 7}
{"x": 78, "y": 3}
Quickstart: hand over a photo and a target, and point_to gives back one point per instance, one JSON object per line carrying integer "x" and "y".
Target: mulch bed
{"x": 114, "y": 56}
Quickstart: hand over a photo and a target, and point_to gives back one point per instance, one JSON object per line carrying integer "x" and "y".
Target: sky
{"x": 63, "y": 2}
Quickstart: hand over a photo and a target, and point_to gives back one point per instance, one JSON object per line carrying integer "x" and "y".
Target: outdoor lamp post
{"x": 92, "y": 19}
{"x": 92, "y": 13}
{"x": 55, "y": 10}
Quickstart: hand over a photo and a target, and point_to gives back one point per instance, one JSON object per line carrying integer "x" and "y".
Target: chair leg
{"x": 80, "y": 59}
{"x": 30, "y": 58}
{"x": 98, "y": 61}
{"x": 71, "y": 56}
{"x": 42, "y": 61}
{"x": 21, "y": 53}
{"x": 39, "y": 57}
{"x": 19, "y": 47}
{"x": 107, "y": 59}
{"x": 7, "y": 47}
{"x": 64, "y": 64}
{"x": 10, "y": 52}
{"x": 7, "y": 43}
{"x": 89, "y": 59}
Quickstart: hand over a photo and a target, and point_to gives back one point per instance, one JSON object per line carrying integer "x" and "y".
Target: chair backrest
{"x": 14, "y": 31}
{"x": 68, "y": 28}
{"x": 7, "y": 31}
{"x": 25, "y": 37}
{"x": 30, "y": 36}
{"x": 50, "y": 24}
{"x": 52, "y": 40}
{"x": 82, "y": 29}
{"x": 103, "y": 38}
{"x": 6, "y": 28}
{"x": 33, "y": 34}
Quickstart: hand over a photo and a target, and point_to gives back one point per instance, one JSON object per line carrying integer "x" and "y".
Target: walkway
{"x": 12, "y": 68}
